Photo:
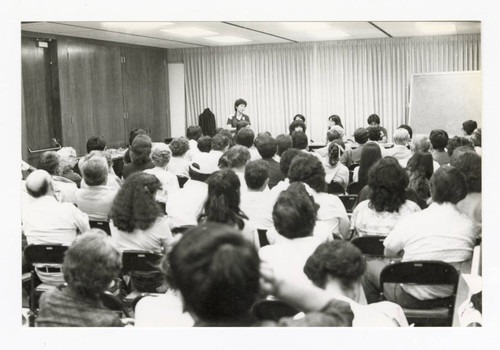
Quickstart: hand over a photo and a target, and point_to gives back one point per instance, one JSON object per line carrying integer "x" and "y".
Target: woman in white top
{"x": 138, "y": 223}
{"x": 160, "y": 155}
{"x": 387, "y": 204}
{"x": 179, "y": 163}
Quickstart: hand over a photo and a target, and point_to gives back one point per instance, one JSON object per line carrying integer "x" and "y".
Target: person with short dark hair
{"x": 210, "y": 160}
{"x": 232, "y": 121}
{"x": 374, "y": 120}
{"x": 387, "y": 204}
{"x": 227, "y": 134}
{"x": 332, "y": 216}
{"x": 180, "y": 160}
{"x": 89, "y": 267}
{"x": 338, "y": 268}
{"x": 246, "y": 137}
{"x": 300, "y": 117}
{"x": 353, "y": 155}
{"x": 400, "y": 150}
{"x": 285, "y": 161}
{"x": 204, "y": 144}
{"x": 266, "y": 146}
{"x": 468, "y": 127}
{"x": 334, "y": 135}
{"x": 237, "y": 158}
{"x": 94, "y": 143}
{"x": 458, "y": 141}
{"x": 96, "y": 198}
{"x": 439, "y": 141}
{"x": 374, "y": 133}
{"x": 140, "y": 154}
{"x": 126, "y": 157}
{"x": 64, "y": 189}
{"x": 193, "y": 133}
{"x": 297, "y": 125}
{"x": 469, "y": 163}
{"x": 284, "y": 142}
{"x": 241, "y": 124}
{"x": 299, "y": 140}
{"x": 440, "y": 232}
{"x": 255, "y": 201}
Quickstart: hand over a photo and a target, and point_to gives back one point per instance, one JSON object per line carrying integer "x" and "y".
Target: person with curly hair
{"x": 335, "y": 171}
{"x": 420, "y": 168}
{"x": 89, "y": 267}
{"x": 138, "y": 223}
{"x": 458, "y": 141}
{"x": 337, "y": 267}
{"x": 332, "y": 216}
{"x": 140, "y": 155}
{"x": 223, "y": 204}
{"x": 160, "y": 154}
{"x": 297, "y": 125}
{"x": 387, "y": 204}
{"x": 68, "y": 161}
{"x": 179, "y": 162}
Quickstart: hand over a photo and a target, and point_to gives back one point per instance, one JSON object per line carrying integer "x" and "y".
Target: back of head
{"x": 469, "y": 126}
{"x": 227, "y": 134}
{"x": 237, "y": 156}
{"x": 421, "y": 143}
{"x": 407, "y": 128}
{"x": 421, "y": 162}
{"x": 219, "y": 142}
{"x": 456, "y": 142}
{"x": 374, "y": 133}
{"x": 217, "y": 272}
{"x": 373, "y": 119}
{"x": 284, "y": 142}
{"x": 266, "y": 145}
{"x": 193, "y": 132}
{"x": 134, "y": 133}
{"x": 334, "y": 154}
{"x": 38, "y": 183}
{"x": 179, "y": 146}
{"x": 388, "y": 182}
{"x": 338, "y": 260}
{"x": 256, "y": 174}
{"x": 91, "y": 263}
{"x": 308, "y": 169}
{"x": 297, "y": 125}
{"x": 299, "y": 140}
{"x": 245, "y": 137}
{"x": 95, "y": 171}
{"x": 205, "y": 144}
{"x": 96, "y": 143}
{"x": 469, "y": 163}
{"x": 135, "y": 205}
{"x": 223, "y": 202}
{"x": 241, "y": 125}
{"x": 160, "y": 154}
{"x": 439, "y": 139}
{"x": 140, "y": 150}
{"x": 401, "y": 137}
{"x": 50, "y": 162}
{"x": 448, "y": 185}
{"x": 295, "y": 212}
{"x": 334, "y": 133}
{"x": 67, "y": 158}
{"x": 286, "y": 160}
{"x": 370, "y": 154}
{"x": 361, "y": 135}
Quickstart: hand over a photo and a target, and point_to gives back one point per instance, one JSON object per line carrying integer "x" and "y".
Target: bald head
{"x": 38, "y": 183}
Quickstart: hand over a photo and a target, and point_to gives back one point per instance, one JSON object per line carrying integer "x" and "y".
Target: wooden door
{"x": 145, "y": 91}
{"x": 92, "y": 95}
{"x": 41, "y": 117}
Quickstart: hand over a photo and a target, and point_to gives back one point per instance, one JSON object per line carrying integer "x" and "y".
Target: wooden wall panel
{"x": 91, "y": 94}
{"x": 145, "y": 91}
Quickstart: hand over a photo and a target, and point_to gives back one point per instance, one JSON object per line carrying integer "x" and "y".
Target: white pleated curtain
{"x": 352, "y": 78}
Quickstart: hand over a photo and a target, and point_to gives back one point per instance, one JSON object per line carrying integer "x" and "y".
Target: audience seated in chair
{"x": 332, "y": 216}
{"x": 219, "y": 145}
{"x": 160, "y": 155}
{"x": 439, "y": 140}
{"x": 179, "y": 163}
{"x": 420, "y": 168}
{"x": 335, "y": 171}
{"x": 64, "y": 189}
{"x": 338, "y": 267}
{"x": 387, "y": 203}
{"x": 374, "y": 121}
{"x": 127, "y": 159}
{"x": 400, "y": 151}
{"x": 237, "y": 158}
{"x": 68, "y": 161}
{"x": 94, "y": 143}
{"x": 96, "y": 198}
{"x": 140, "y": 152}
{"x": 353, "y": 155}
{"x": 421, "y": 143}
{"x": 90, "y": 265}
{"x": 285, "y": 161}
{"x": 284, "y": 142}
{"x": 246, "y": 137}
{"x": 440, "y": 232}
{"x": 267, "y": 147}
{"x": 193, "y": 134}
{"x": 370, "y": 154}
{"x": 113, "y": 180}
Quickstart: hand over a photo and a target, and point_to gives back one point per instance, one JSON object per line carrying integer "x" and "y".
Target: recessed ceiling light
{"x": 189, "y": 31}
{"x": 306, "y": 26}
{"x": 135, "y": 25}
{"x": 329, "y": 34}
{"x": 228, "y": 39}
{"x": 436, "y": 28}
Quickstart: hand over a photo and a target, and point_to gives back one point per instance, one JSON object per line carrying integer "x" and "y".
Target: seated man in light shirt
{"x": 255, "y": 201}
{"x": 246, "y": 137}
{"x": 220, "y": 144}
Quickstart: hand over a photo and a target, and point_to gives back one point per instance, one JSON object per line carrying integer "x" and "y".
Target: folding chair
{"x": 41, "y": 254}
{"x": 370, "y": 246}
{"x": 349, "y": 201}
{"x": 425, "y": 272}
{"x": 272, "y": 310}
{"x": 140, "y": 261}
{"x": 103, "y": 225}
